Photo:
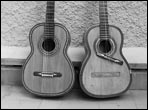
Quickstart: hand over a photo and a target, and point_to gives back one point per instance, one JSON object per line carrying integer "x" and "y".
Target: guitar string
{"x": 103, "y": 26}
{"x": 48, "y": 29}
{"x": 106, "y": 30}
{"x": 109, "y": 47}
{"x": 107, "y": 41}
{"x": 52, "y": 24}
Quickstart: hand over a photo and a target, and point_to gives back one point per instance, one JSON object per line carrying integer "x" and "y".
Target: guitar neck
{"x": 50, "y": 13}
{"x": 103, "y": 13}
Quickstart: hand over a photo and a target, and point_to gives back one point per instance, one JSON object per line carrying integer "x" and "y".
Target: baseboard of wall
{"x": 13, "y": 75}
{"x": 11, "y": 65}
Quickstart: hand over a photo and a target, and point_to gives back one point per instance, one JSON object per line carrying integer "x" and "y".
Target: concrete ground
{"x": 15, "y": 97}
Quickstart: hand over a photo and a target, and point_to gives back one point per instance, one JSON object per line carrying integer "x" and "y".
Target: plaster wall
{"x": 18, "y": 17}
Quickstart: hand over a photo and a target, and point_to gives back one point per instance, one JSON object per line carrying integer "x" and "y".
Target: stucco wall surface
{"x": 18, "y": 17}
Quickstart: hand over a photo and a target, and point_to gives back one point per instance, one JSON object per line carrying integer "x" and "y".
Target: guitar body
{"x": 48, "y": 73}
{"x": 99, "y": 77}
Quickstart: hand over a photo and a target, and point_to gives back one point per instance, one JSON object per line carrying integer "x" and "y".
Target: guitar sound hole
{"x": 48, "y": 45}
{"x": 105, "y": 46}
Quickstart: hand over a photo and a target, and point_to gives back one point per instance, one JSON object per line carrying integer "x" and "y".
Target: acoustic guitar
{"x": 105, "y": 72}
{"x": 48, "y": 70}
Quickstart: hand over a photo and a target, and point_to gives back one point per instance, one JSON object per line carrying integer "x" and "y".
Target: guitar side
{"x": 39, "y": 62}
{"x": 97, "y": 85}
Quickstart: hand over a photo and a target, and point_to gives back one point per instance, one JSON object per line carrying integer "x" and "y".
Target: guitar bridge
{"x": 48, "y": 74}
{"x": 105, "y": 74}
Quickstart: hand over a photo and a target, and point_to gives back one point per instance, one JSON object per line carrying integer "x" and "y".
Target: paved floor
{"x": 18, "y": 98}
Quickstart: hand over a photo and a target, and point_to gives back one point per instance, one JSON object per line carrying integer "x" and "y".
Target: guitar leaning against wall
{"x": 48, "y": 70}
{"x": 105, "y": 72}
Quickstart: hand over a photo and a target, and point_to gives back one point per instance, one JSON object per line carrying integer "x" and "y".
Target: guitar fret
{"x": 46, "y": 36}
{"x": 103, "y": 13}
{"x": 49, "y": 33}
{"x": 104, "y": 27}
{"x": 49, "y": 24}
{"x": 103, "y": 30}
{"x": 50, "y": 5}
{"x": 50, "y": 21}
{"x": 104, "y": 23}
{"x": 50, "y": 9}
{"x": 103, "y": 34}
{"x": 104, "y": 18}
{"x": 103, "y": 7}
{"x": 49, "y": 30}
{"x": 107, "y": 33}
{"x": 50, "y": 12}
{"x": 49, "y": 27}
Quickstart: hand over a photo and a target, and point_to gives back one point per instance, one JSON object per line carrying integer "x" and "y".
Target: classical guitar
{"x": 48, "y": 70}
{"x": 105, "y": 72}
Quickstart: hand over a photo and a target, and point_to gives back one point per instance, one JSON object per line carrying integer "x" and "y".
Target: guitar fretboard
{"x": 103, "y": 13}
{"x": 49, "y": 26}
